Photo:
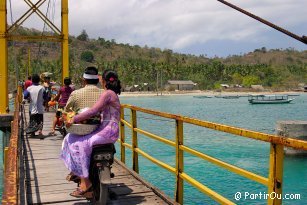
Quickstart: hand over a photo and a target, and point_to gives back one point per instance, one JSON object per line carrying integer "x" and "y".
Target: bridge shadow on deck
{"x": 27, "y": 148}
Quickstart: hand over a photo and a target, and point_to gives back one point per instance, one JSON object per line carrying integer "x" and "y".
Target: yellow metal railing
{"x": 273, "y": 181}
{"x": 11, "y": 158}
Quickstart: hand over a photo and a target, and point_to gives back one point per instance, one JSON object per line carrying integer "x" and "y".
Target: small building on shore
{"x": 257, "y": 87}
{"x": 180, "y": 85}
{"x": 146, "y": 87}
{"x": 132, "y": 88}
{"x": 225, "y": 86}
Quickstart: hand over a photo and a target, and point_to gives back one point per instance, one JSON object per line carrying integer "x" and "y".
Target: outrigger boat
{"x": 269, "y": 99}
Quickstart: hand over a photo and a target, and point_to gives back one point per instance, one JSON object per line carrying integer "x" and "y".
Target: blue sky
{"x": 197, "y": 27}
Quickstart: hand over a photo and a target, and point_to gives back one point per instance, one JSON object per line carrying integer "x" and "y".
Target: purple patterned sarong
{"x": 76, "y": 149}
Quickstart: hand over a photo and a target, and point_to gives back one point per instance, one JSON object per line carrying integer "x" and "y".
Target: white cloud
{"x": 177, "y": 24}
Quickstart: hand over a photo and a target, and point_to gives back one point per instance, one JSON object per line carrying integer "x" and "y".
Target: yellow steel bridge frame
{"x": 6, "y": 34}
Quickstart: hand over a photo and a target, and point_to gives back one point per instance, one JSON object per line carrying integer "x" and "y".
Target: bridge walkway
{"x": 45, "y": 173}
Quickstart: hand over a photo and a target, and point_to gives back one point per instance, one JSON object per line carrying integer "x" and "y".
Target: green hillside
{"x": 274, "y": 69}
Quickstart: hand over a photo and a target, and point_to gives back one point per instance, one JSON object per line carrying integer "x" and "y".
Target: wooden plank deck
{"x": 45, "y": 173}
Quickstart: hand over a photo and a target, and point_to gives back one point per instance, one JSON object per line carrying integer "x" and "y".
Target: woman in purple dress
{"x": 76, "y": 151}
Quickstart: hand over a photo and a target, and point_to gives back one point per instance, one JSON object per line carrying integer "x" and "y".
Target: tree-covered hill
{"x": 282, "y": 69}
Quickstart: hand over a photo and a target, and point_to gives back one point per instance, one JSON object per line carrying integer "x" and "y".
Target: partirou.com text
{"x": 263, "y": 195}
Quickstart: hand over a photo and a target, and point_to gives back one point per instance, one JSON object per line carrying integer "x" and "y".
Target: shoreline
{"x": 206, "y": 93}
{"x": 199, "y": 93}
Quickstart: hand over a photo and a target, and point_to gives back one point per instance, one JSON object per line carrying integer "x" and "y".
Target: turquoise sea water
{"x": 5, "y": 141}
{"x": 245, "y": 153}
{"x": 11, "y": 104}
{"x": 249, "y": 154}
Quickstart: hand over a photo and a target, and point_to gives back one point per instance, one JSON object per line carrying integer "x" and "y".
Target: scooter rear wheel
{"x": 100, "y": 193}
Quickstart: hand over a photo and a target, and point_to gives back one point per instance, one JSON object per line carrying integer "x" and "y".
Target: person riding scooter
{"x": 77, "y": 150}
{"x": 82, "y": 98}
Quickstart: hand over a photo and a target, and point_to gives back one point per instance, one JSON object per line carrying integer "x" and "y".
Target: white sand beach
{"x": 207, "y": 93}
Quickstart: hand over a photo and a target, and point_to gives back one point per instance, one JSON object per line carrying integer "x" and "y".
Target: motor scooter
{"x": 100, "y": 174}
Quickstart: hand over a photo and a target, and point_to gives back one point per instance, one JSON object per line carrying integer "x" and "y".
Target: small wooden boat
{"x": 294, "y": 94}
{"x": 269, "y": 99}
{"x": 227, "y": 96}
{"x": 202, "y": 96}
{"x": 231, "y": 97}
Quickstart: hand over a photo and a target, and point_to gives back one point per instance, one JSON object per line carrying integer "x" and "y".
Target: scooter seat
{"x": 104, "y": 148}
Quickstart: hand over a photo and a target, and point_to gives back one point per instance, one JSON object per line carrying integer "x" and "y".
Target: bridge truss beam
{"x": 61, "y": 35}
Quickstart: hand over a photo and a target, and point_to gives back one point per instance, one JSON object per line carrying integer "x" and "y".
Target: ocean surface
{"x": 249, "y": 154}
{"x": 3, "y": 140}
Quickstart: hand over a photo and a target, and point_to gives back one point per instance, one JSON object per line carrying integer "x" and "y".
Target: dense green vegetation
{"x": 282, "y": 69}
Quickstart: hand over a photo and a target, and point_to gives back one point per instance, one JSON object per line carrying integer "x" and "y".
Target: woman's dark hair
{"x": 112, "y": 81}
{"x": 67, "y": 81}
{"x": 91, "y": 70}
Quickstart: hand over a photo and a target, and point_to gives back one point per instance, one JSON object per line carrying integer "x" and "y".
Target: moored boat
{"x": 294, "y": 94}
{"x": 202, "y": 96}
{"x": 227, "y": 96}
{"x": 269, "y": 99}
{"x": 231, "y": 97}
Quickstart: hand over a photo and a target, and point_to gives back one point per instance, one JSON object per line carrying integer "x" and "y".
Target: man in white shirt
{"x": 36, "y": 94}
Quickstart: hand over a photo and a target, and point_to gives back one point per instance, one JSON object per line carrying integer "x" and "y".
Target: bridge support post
{"x": 65, "y": 49}
{"x": 135, "y": 156}
{"x": 3, "y": 59}
{"x": 276, "y": 174}
{"x": 179, "y": 162}
{"x": 122, "y": 136}
{"x": 6, "y": 151}
{"x": 296, "y": 129}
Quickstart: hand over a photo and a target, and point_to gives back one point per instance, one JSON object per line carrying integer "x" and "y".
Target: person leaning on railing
{"x": 62, "y": 98}
{"x": 76, "y": 151}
